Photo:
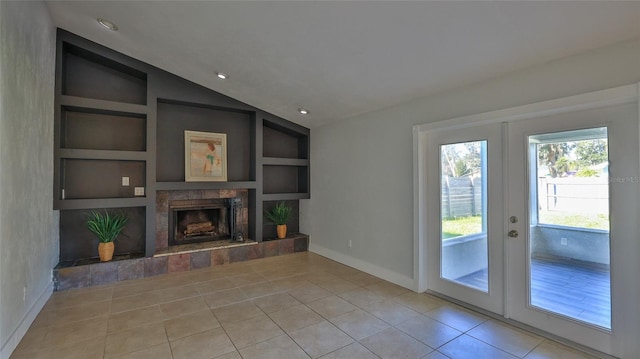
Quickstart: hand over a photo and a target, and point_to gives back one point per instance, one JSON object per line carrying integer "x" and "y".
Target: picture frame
{"x": 205, "y": 156}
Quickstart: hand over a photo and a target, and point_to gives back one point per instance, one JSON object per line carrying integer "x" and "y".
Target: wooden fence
{"x": 461, "y": 196}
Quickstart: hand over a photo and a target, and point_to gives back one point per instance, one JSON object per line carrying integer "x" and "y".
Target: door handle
{"x": 513, "y": 233}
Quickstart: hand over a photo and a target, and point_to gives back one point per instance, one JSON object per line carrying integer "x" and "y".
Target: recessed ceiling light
{"x": 222, "y": 75}
{"x": 108, "y": 24}
{"x": 303, "y": 111}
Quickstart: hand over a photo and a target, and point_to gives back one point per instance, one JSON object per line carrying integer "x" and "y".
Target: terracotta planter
{"x": 281, "y": 229}
{"x": 105, "y": 250}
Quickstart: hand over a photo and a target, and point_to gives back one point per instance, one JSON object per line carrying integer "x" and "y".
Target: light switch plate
{"x": 125, "y": 181}
{"x": 138, "y": 191}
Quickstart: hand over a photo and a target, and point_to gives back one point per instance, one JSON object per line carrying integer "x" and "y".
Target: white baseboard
{"x": 364, "y": 266}
{"x": 27, "y": 320}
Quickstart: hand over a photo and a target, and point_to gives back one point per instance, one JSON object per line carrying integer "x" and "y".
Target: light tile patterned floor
{"x": 295, "y": 306}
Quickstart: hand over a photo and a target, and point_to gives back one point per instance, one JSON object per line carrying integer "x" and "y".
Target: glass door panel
{"x": 463, "y": 216}
{"x": 569, "y": 257}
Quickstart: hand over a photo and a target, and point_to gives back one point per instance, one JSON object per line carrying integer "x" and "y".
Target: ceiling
{"x": 343, "y": 59}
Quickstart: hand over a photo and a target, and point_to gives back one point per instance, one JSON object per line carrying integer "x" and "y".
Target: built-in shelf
{"x": 79, "y": 243}
{"x": 91, "y": 178}
{"x": 105, "y": 105}
{"x": 177, "y": 186}
{"x": 101, "y": 134}
{"x": 103, "y": 154}
{"x": 68, "y": 204}
{"x": 99, "y": 129}
{"x": 284, "y": 196}
{"x": 285, "y": 179}
{"x": 285, "y": 162}
{"x": 277, "y": 161}
{"x": 89, "y": 74}
{"x": 119, "y": 120}
{"x": 269, "y": 229}
{"x": 285, "y": 140}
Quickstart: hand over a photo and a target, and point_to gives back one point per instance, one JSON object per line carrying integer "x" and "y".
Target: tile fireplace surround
{"x": 164, "y": 198}
{"x": 169, "y": 259}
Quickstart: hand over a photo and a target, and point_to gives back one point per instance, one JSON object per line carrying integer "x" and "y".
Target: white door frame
{"x": 490, "y": 299}
{"x": 592, "y": 100}
{"x": 622, "y": 130}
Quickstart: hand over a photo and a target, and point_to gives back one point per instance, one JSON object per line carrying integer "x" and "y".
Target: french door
{"x": 464, "y": 214}
{"x": 532, "y": 219}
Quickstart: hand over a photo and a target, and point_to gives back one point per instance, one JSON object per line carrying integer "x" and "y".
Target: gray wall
{"x": 28, "y": 225}
{"x": 361, "y": 169}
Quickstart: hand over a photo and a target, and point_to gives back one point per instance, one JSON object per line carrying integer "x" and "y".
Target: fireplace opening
{"x": 203, "y": 220}
{"x": 200, "y": 224}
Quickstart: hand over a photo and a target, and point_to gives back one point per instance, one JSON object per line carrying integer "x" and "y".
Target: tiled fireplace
{"x": 203, "y": 220}
{"x": 184, "y": 217}
{"x": 218, "y": 249}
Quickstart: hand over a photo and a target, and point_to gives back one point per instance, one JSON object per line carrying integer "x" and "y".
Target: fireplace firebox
{"x": 203, "y": 220}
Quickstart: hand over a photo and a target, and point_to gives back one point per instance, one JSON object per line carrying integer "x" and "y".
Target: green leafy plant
{"x": 587, "y": 172}
{"x": 106, "y": 226}
{"x": 280, "y": 214}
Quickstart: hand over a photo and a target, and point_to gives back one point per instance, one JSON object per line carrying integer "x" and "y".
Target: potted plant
{"x": 280, "y": 215}
{"x": 106, "y": 227}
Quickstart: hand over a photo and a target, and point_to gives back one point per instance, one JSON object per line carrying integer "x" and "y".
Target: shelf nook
{"x": 119, "y": 145}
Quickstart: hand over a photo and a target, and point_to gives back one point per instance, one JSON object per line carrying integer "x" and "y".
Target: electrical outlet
{"x": 138, "y": 191}
{"x": 563, "y": 241}
{"x": 125, "y": 181}
{"x": 350, "y": 244}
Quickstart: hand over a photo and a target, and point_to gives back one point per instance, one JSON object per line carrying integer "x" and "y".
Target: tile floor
{"x": 295, "y": 306}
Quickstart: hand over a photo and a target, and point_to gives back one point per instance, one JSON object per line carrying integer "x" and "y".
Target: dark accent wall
{"x": 174, "y": 119}
{"x": 118, "y": 117}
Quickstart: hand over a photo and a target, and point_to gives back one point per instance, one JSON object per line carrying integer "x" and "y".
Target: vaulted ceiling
{"x": 341, "y": 59}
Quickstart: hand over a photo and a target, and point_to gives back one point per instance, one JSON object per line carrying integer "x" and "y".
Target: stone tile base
{"x": 116, "y": 271}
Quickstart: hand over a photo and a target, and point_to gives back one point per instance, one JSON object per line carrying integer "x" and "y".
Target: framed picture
{"x": 205, "y": 156}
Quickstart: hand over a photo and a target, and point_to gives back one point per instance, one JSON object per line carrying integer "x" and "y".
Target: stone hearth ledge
{"x": 197, "y": 257}
{"x": 201, "y": 247}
